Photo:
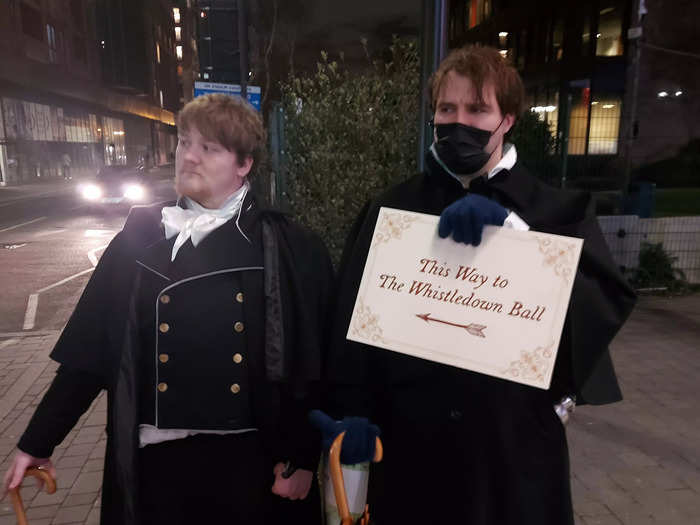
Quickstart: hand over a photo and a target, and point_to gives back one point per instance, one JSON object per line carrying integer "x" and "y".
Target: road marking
{"x": 7, "y": 343}
{"x": 30, "y": 313}
{"x": 98, "y": 233}
{"x": 33, "y": 301}
{"x": 49, "y": 232}
{"x": 92, "y": 254}
{"x": 21, "y": 224}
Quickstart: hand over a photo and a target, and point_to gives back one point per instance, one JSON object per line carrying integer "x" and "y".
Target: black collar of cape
{"x": 538, "y": 204}
{"x": 292, "y": 328}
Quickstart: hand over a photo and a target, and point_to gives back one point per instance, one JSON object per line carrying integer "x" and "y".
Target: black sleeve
{"x": 68, "y": 397}
{"x": 350, "y": 366}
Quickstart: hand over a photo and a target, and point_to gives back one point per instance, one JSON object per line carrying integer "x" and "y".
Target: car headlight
{"x": 134, "y": 192}
{"x": 91, "y": 192}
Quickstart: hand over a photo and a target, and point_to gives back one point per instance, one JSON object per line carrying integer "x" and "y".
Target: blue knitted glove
{"x": 360, "y": 436}
{"x": 466, "y": 218}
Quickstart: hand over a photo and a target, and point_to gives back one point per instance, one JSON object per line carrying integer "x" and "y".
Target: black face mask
{"x": 460, "y": 148}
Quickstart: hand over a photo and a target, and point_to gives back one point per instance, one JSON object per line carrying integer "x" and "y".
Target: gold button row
{"x": 237, "y": 358}
{"x": 239, "y": 297}
{"x": 165, "y": 299}
{"x": 163, "y": 327}
{"x": 163, "y": 358}
{"x": 235, "y": 388}
{"x": 238, "y": 327}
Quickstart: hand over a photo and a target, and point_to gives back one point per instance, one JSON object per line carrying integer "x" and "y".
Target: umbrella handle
{"x": 39, "y": 473}
{"x": 336, "y": 472}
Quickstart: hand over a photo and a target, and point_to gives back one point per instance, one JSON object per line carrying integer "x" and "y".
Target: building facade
{"x": 220, "y": 43}
{"x": 577, "y": 61}
{"x": 84, "y": 83}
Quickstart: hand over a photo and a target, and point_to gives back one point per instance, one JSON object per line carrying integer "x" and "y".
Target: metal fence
{"x": 680, "y": 237}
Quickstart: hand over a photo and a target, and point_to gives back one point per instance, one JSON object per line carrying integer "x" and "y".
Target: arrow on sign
{"x": 472, "y": 328}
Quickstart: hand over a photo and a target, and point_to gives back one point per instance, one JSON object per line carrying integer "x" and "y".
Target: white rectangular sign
{"x": 497, "y": 309}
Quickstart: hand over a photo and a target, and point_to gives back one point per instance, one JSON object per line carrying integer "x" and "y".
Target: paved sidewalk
{"x": 636, "y": 462}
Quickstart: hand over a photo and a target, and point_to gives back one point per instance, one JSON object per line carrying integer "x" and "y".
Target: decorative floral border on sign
{"x": 366, "y": 324}
{"x": 560, "y": 255}
{"x": 392, "y": 226}
{"x": 533, "y": 365}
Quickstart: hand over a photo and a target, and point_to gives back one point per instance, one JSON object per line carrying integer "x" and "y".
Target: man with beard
{"x": 203, "y": 323}
{"x": 463, "y": 447}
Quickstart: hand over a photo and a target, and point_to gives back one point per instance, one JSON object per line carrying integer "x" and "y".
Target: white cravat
{"x": 196, "y": 222}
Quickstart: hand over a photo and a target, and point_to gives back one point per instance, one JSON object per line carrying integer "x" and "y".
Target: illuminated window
{"x": 51, "y": 39}
{"x": 477, "y": 12}
{"x": 161, "y": 97}
{"x": 158, "y": 52}
{"x": 578, "y": 120}
{"x": 558, "y": 39}
{"x": 178, "y": 34}
{"x": 603, "y": 134}
{"x": 609, "y": 35}
{"x": 176, "y": 15}
{"x": 178, "y": 52}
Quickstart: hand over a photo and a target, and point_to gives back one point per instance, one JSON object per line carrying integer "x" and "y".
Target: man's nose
{"x": 465, "y": 117}
{"x": 191, "y": 155}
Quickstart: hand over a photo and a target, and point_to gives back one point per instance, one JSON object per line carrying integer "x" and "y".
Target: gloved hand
{"x": 360, "y": 436}
{"x": 466, "y": 218}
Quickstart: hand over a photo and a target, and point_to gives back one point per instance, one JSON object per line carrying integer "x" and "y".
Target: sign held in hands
{"x": 497, "y": 309}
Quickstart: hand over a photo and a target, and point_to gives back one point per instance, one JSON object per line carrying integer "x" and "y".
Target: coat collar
{"x": 223, "y": 249}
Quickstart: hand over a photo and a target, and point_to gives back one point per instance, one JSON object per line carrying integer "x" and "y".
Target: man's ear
{"x": 508, "y": 122}
{"x": 244, "y": 167}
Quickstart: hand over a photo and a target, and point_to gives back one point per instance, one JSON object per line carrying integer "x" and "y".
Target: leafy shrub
{"x": 348, "y": 136}
{"x": 656, "y": 269}
{"x": 681, "y": 170}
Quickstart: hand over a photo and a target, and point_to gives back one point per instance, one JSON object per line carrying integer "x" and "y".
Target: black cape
{"x": 101, "y": 338}
{"x": 460, "y": 444}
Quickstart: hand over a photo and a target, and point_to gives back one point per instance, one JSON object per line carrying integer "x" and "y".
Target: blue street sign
{"x": 253, "y": 92}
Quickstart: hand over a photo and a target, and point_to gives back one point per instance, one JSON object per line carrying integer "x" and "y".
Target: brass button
{"x": 162, "y": 387}
{"x": 239, "y": 297}
{"x": 163, "y": 327}
{"x": 237, "y": 358}
{"x": 165, "y": 299}
{"x": 235, "y": 388}
{"x": 163, "y": 358}
{"x": 238, "y": 327}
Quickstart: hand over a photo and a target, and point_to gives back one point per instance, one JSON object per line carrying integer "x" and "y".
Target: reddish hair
{"x": 230, "y": 121}
{"x": 482, "y": 64}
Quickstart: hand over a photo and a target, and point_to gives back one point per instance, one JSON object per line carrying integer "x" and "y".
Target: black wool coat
{"x": 462, "y": 446}
{"x": 102, "y": 338}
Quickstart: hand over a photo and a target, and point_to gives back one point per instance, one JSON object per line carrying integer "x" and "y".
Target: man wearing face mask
{"x": 463, "y": 447}
{"x": 204, "y": 322}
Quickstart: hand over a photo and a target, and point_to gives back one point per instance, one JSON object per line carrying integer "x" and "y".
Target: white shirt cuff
{"x": 514, "y": 222}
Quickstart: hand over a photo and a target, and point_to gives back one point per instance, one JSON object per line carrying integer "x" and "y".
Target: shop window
{"x": 609, "y": 36}
{"x": 178, "y": 34}
{"x": 31, "y": 22}
{"x": 604, "y": 132}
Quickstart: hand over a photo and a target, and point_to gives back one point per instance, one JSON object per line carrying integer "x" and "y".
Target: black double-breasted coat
{"x": 259, "y": 309}
{"x": 461, "y": 447}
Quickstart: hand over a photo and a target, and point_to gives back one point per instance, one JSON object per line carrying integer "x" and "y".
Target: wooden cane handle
{"x": 49, "y": 484}
{"x": 336, "y": 472}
